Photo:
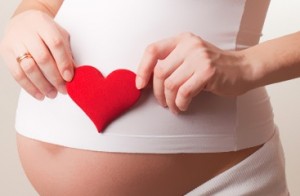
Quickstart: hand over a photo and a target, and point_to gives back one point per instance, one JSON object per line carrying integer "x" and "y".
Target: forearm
{"x": 275, "y": 60}
{"x": 50, "y": 7}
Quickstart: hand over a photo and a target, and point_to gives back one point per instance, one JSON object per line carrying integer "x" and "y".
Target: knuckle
{"x": 151, "y": 49}
{"x": 206, "y": 55}
{"x": 170, "y": 84}
{"x": 42, "y": 57}
{"x": 186, "y": 35}
{"x": 199, "y": 43}
{"x": 56, "y": 42}
{"x": 193, "y": 40}
{"x": 185, "y": 92}
{"x": 160, "y": 71}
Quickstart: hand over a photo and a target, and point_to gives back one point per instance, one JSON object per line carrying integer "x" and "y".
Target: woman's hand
{"x": 50, "y": 64}
{"x": 185, "y": 65}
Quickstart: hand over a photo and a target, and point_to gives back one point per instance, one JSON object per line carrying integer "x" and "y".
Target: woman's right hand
{"x": 51, "y": 63}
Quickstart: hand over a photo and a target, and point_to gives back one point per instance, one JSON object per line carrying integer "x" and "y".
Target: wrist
{"x": 234, "y": 74}
{"x": 252, "y": 68}
{"x": 275, "y": 60}
{"x": 240, "y": 63}
{"x": 48, "y": 7}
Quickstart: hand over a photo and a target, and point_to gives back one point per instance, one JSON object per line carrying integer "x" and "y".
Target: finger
{"x": 162, "y": 71}
{"x": 170, "y": 100}
{"x": 30, "y": 88}
{"x": 159, "y": 91}
{"x": 45, "y": 62}
{"x": 33, "y": 73}
{"x": 58, "y": 45}
{"x": 153, "y": 53}
{"x": 192, "y": 87}
{"x": 21, "y": 77}
{"x": 166, "y": 89}
{"x": 173, "y": 83}
{"x": 166, "y": 67}
{"x": 37, "y": 78}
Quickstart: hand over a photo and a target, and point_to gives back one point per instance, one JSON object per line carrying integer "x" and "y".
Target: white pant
{"x": 263, "y": 173}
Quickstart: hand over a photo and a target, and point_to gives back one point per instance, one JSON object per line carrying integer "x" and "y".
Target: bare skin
{"x": 56, "y": 170}
{"x": 184, "y": 65}
{"x": 32, "y": 29}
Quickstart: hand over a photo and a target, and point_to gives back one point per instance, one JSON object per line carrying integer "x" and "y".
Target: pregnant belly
{"x": 57, "y": 170}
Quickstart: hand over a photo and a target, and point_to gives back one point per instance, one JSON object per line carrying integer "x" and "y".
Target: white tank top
{"x": 113, "y": 34}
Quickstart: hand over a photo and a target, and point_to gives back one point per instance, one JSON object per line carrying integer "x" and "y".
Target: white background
{"x": 283, "y": 18}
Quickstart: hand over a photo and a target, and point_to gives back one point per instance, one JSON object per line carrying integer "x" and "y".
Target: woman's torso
{"x": 113, "y": 34}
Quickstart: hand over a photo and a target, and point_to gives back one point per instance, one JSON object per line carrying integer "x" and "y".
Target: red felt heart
{"x": 103, "y": 99}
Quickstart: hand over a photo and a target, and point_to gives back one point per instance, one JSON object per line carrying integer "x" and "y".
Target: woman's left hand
{"x": 184, "y": 65}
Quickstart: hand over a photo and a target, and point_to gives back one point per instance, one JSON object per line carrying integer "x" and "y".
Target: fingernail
{"x": 39, "y": 96}
{"x": 183, "y": 108}
{"x": 139, "y": 82}
{"x": 67, "y": 75}
{"x": 52, "y": 94}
